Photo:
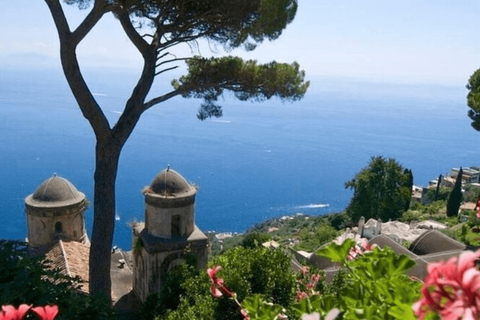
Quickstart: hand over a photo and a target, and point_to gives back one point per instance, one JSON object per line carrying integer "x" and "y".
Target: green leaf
{"x": 257, "y": 308}
{"x": 381, "y": 263}
{"x": 403, "y": 312}
{"x": 335, "y": 252}
{"x": 316, "y": 303}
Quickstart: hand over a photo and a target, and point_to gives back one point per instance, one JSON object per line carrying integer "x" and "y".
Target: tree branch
{"x": 171, "y": 60}
{"x": 85, "y": 100}
{"x": 58, "y": 18}
{"x": 165, "y": 70}
{"x": 163, "y": 56}
{"x": 162, "y": 98}
{"x": 130, "y": 31}
{"x": 97, "y": 12}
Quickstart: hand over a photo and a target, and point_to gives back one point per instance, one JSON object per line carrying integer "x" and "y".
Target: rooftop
{"x": 55, "y": 192}
{"x": 170, "y": 183}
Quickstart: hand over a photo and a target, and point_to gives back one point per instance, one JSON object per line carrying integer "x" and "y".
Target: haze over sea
{"x": 260, "y": 160}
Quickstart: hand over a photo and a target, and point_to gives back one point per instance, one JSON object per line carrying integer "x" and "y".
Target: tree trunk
{"x": 106, "y": 165}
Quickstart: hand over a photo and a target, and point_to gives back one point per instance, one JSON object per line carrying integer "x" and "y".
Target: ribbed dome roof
{"x": 170, "y": 182}
{"x": 434, "y": 241}
{"x": 55, "y": 191}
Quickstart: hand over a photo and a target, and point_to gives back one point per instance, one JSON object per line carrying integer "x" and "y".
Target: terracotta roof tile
{"x": 71, "y": 258}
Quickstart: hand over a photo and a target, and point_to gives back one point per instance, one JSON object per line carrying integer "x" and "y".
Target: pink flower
{"x": 331, "y": 315}
{"x": 366, "y": 247}
{"x": 244, "y": 314}
{"x": 10, "y": 313}
{"x": 354, "y": 253}
{"x": 47, "y": 312}
{"x": 304, "y": 270}
{"x": 301, "y": 295}
{"x": 312, "y": 284}
{"x": 478, "y": 208}
{"x": 357, "y": 250}
{"x": 306, "y": 284}
{"x": 217, "y": 288}
{"x": 451, "y": 289}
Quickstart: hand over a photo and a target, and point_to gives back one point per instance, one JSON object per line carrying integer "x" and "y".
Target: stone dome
{"x": 171, "y": 183}
{"x": 55, "y": 191}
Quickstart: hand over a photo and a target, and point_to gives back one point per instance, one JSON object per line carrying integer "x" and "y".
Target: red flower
{"x": 451, "y": 289}
{"x": 217, "y": 288}
{"x": 478, "y": 208}
{"x": 10, "y": 313}
{"x": 47, "y": 312}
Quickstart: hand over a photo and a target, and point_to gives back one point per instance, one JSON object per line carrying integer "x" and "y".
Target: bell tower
{"x": 169, "y": 233}
{"x": 55, "y": 211}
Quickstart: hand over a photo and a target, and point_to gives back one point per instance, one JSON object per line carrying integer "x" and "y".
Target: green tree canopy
{"x": 155, "y": 28}
{"x": 381, "y": 190}
{"x": 473, "y": 99}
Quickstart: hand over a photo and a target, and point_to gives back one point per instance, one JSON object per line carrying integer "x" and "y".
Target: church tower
{"x": 169, "y": 234}
{"x": 55, "y": 211}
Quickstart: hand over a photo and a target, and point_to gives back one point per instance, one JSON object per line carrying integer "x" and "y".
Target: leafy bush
{"x": 338, "y": 220}
{"x": 28, "y": 280}
{"x": 261, "y": 271}
{"x": 312, "y": 240}
{"x": 371, "y": 285}
{"x": 434, "y": 208}
{"x": 255, "y": 239}
{"x": 411, "y": 215}
{"x": 443, "y": 194}
{"x": 471, "y": 193}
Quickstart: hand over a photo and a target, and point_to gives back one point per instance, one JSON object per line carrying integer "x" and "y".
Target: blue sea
{"x": 260, "y": 160}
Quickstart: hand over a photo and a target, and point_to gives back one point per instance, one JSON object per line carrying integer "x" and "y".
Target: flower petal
{"x": 47, "y": 312}
{"x": 11, "y": 313}
{"x": 312, "y": 316}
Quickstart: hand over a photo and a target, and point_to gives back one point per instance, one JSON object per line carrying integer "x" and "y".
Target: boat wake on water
{"x": 313, "y": 206}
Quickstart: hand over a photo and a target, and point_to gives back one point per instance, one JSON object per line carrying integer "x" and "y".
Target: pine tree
{"x": 455, "y": 197}
{"x": 409, "y": 184}
{"x": 438, "y": 187}
{"x": 156, "y": 28}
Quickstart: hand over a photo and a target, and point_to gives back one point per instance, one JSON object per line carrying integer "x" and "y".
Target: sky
{"x": 412, "y": 41}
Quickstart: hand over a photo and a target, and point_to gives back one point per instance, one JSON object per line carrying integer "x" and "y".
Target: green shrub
{"x": 246, "y": 272}
{"x": 471, "y": 193}
{"x": 411, "y": 215}
{"x": 310, "y": 240}
{"x": 25, "y": 279}
{"x": 255, "y": 239}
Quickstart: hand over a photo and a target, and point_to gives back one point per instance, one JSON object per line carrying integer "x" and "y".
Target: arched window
{"x": 58, "y": 227}
{"x": 176, "y": 225}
